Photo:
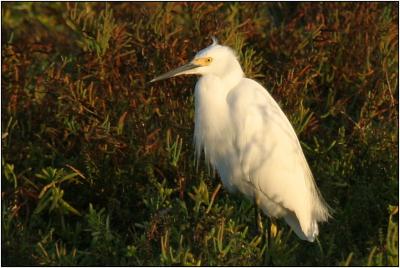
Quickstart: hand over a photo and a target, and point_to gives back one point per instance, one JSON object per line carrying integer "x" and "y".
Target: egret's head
{"x": 215, "y": 59}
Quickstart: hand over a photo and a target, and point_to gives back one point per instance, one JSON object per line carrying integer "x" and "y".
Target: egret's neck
{"x": 231, "y": 75}
{"x": 212, "y": 117}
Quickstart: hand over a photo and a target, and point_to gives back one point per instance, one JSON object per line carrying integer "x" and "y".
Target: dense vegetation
{"x": 98, "y": 165}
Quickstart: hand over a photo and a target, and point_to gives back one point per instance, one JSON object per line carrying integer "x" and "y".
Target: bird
{"x": 248, "y": 139}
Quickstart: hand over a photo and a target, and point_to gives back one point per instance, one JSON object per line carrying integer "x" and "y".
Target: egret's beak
{"x": 180, "y": 70}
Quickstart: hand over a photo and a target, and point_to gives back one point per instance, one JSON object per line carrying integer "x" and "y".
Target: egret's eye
{"x": 209, "y": 60}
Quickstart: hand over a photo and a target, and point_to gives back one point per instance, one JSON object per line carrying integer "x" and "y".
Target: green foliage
{"x": 51, "y": 195}
{"x": 95, "y": 29}
{"x": 98, "y": 165}
{"x": 387, "y": 253}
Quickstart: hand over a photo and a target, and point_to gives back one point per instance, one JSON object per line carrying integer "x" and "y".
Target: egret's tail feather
{"x": 309, "y": 235}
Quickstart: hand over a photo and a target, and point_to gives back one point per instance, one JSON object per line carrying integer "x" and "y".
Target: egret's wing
{"x": 270, "y": 154}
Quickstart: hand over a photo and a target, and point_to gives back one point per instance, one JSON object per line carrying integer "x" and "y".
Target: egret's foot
{"x": 272, "y": 230}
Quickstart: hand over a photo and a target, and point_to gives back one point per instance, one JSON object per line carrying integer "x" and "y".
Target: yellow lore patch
{"x": 202, "y": 61}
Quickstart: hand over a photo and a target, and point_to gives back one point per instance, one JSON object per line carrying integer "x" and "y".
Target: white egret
{"x": 251, "y": 143}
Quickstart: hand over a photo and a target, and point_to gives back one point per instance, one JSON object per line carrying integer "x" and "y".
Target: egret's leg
{"x": 271, "y": 233}
{"x": 265, "y": 234}
{"x": 258, "y": 217}
{"x": 259, "y": 220}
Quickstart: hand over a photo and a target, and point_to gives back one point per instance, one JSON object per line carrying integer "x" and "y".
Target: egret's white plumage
{"x": 251, "y": 143}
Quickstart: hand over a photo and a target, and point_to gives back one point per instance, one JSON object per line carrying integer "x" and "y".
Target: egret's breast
{"x": 213, "y": 127}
